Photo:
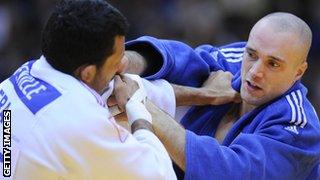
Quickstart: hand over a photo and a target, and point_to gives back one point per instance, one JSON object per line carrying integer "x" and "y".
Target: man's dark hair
{"x": 81, "y": 32}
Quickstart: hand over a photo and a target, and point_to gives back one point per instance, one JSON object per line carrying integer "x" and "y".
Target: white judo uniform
{"x": 63, "y": 130}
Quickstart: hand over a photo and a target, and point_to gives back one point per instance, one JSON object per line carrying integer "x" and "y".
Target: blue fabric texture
{"x": 278, "y": 140}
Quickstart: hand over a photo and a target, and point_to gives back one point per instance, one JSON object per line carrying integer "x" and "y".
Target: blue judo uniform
{"x": 278, "y": 140}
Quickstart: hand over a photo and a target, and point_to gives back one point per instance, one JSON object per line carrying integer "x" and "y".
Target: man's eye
{"x": 274, "y": 64}
{"x": 251, "y": 55}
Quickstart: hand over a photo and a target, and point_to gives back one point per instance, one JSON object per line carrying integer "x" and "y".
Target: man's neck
{"x": 234, "y": 113}
{"x": 245, "y": 107}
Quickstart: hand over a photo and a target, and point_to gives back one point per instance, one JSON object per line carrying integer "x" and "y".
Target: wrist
{"x": 137, "y": 111}
{"x": 141, "y": 124}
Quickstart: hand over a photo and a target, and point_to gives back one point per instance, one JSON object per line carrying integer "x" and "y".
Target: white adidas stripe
{"x": 298, "y": 116}
{"x": 292, "y": 128}
{"x": 302, "y": 109}
{"x": 234, "y": 60}
{"x": 232, "y": 49}
{"x": 293, "y": 110}
{"x": 232, "y": 55}
{"x": 214, "y": 54}
{"x": 296, "y": 103}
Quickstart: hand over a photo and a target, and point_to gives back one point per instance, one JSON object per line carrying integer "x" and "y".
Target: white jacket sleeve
{"x": 161, "y": 93}
{"x": 164, "y": 161}
{"x": 91, "y": 146}
{"x": 113, "y": 153}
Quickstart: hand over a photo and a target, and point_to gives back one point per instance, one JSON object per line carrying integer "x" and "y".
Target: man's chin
{"x": 249, "y": 99}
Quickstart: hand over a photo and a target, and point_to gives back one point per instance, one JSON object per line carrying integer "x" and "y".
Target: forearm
{"x": 136, "y": 63}
{"x": 215, "y": 95}
{"x": 186, "y": 96}
{"x": 170, "y": 133}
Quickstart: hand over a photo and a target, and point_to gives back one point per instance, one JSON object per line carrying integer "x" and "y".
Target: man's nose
{"x": 257, "y": 69}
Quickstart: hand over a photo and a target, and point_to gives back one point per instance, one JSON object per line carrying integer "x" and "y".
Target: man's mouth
{"x": 253, "y": 85}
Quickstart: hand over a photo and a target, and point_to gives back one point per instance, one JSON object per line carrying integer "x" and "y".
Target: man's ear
{"x": 301, "y": 69}
{"x": 86, "y": 73}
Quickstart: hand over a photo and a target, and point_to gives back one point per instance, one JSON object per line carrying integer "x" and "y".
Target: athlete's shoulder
{"x": 294, "y": 113}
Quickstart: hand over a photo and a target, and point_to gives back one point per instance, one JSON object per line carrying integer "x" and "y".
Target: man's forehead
{"x": 280, "y": 45}
{"x": 268, "y": 32}
{"x": 292, "y": 37}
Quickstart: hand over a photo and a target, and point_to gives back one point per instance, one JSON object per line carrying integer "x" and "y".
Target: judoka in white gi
{"x": 61, "y": 128}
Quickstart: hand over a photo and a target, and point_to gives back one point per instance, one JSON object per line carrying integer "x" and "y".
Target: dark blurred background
{"x": 193, "y": 21}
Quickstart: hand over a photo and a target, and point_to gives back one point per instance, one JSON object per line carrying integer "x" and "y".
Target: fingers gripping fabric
{"x": 135, "y": 107}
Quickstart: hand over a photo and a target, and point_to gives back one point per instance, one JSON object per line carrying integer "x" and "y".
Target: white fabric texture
{"x": 160, "y": 92}
{"x": 74, "y": 137}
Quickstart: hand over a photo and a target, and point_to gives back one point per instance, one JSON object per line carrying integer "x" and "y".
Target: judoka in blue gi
{"x": 274, "y": 133}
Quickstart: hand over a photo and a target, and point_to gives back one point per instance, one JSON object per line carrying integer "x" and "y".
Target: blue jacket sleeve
{"x": 180, "y": 64}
